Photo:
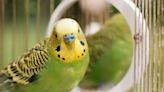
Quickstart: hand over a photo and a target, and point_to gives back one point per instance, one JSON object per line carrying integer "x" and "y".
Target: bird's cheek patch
{"x": 70, "y": 55}
{"x": 82, "y": 53}
{"x": 59, "y": 54}
{"x": 58, "y": 48}
{"x": 81, "y": 49}
{"x": 82, "y": 43}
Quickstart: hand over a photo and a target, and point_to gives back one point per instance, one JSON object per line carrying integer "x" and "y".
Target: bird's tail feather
{"x": 5, "y": 84}
{"x": 2, "y": 76}
{"x": 4, "y": 81}
{"x": 2, "y": 73}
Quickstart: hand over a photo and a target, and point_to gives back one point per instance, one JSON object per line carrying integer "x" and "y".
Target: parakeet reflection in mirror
{"x": 110, "y": 53}
{"x": 56, "y": 64}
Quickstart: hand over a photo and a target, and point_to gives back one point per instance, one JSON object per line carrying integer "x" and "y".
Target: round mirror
{"x": 127, "y": 8}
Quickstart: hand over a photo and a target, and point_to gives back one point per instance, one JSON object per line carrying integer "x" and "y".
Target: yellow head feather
{"x": 68, "y": 51}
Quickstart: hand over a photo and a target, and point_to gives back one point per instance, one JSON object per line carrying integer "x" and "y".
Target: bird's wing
{"x": 25, "y": 69}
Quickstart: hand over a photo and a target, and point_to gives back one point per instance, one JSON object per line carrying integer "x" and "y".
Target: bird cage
{"x": 19, "y": 28}
{"x": 22, "y": 24}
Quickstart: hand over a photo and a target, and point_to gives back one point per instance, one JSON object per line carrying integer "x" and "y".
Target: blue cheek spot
{"x": 58, "y": 48}
{"x": 82, "y": 43}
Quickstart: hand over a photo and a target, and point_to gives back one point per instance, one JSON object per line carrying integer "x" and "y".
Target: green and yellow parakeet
{"x": 110, "y": 53}
{"x": 56, "y": 64}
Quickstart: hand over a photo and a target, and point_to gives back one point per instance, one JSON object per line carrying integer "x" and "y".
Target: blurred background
{"x": 24, "y": 22}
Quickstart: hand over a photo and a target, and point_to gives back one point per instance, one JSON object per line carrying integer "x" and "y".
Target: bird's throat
{"x": 70, "y": 45}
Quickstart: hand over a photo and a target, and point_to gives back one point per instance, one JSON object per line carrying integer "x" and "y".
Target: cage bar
{"x": 26, "y": 23}
{"x": 14, "y": 21}
{"x": 52, "y": 2}
{"x": 38, "y": 15}
{"x": 2, "y": 12}
{"x": 152, "y": 80}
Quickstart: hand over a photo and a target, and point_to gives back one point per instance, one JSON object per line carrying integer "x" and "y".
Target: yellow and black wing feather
{"x": 25, "y": 69}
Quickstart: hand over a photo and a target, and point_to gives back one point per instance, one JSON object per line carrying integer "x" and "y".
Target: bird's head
{"x": 67, "y": 41}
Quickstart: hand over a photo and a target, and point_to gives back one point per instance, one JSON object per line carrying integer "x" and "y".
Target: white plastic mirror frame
{"x": 135, "y": 21}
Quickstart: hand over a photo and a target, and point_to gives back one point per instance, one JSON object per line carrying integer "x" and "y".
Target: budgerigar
{"x": 56, "y": 64}
{"x": 110, "y": 53}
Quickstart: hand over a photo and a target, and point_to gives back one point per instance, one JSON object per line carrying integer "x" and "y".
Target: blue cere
{"x": 58, "y": 48}
{"x": 72, "y": 37}
{"x": 82, "y": 43}
{"x": 69, "y": 38}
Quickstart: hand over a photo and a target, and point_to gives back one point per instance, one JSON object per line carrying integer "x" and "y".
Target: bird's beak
{"x": 69, "y": 38}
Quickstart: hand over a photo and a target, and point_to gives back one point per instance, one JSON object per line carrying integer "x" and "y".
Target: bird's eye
{"x": 56, "y": 36}
{"x": 65, "y": 35}
{"x": 71, "y": 33}
{"x": 58, "y": 48}
{"x": 78, "y": 30}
